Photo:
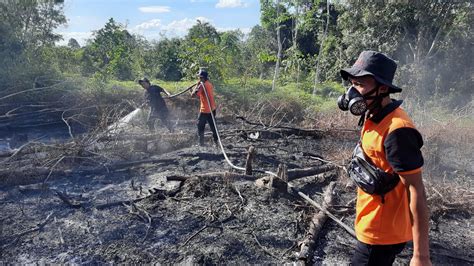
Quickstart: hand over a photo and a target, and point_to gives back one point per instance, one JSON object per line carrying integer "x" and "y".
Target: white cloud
{"x": 152, "y": 29}
{"x": 151, "y": 24}
{"x": 230, "y": 4}
{"x": 81, "y": 37}
{"x": 179, "y": 25}
{"x": 154, "y": 9}
{"x": 176, "y": 28}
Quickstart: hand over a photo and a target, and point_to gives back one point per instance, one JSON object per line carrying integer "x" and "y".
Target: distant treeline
{"x": 300, "y": 41}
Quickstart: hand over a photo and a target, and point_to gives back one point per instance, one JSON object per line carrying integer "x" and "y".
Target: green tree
{"x": 72, "y": 43}
{"x": 112, "y": 53}
{"x": 162, "y": 60}
{"x": 67, "y": 60}
{"x": 232, "y": 46}
{"x": 27, "y": 30}
{"x": 259, "y": 52}
{"x": 423, "y": 36}
{"x": 32, "y": 22}
{"x": 201, "y": 49}
{"x": 275, "y": 16}
{"x": 203, "y": 30}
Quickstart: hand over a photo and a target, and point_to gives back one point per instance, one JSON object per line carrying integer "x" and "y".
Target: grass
{"x": 251, "y": 91}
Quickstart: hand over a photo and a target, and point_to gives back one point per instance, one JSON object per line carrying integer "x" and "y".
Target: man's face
{"x": 145, "y": 85}
{"x": 363, "y": 84}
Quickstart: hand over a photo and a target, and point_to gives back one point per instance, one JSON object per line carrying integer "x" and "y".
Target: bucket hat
{"x": 202, "y": 73}
{"x": 374, "y": 64}
{"x": 143, "y": 80}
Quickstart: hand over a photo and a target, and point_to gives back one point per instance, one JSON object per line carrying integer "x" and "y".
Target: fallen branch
{"x": 33, "y": 89}
{"x": 134, "y": 209}
{"x": 231, "y": 217}
{"x": 52, "y": 168}
{"x": 240, "y": 195}
{"x": 297, "y": 173}
{"x": 330, "y": 215}
{"x": 67, "y": 200}
{"x": 312, "y": 180}
{"x": 319, "y": 158}
{"x": 263, "y": 248}
{"x": 127, "y": 202}
{"x": 316, "y": 224}
{"x": 195, "y": 234}
{"x": 285, "y": 187}
{"x": 67, "y": 124}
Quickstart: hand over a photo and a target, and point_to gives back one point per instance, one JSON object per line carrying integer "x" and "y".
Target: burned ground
{"x": 168, "y": 201}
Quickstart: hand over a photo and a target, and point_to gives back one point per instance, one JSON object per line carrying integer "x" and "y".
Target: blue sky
{"x": 155, "y": 18}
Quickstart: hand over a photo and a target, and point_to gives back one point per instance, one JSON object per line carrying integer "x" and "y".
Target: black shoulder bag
{"x": 369, "y": 178}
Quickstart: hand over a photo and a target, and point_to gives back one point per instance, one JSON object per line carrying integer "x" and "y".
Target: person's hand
{"x": 194, "y": 91}
{"x": 420, "y": 261}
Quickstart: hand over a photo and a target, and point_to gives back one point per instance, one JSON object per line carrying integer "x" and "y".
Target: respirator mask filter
{"x": 352, "y": 101}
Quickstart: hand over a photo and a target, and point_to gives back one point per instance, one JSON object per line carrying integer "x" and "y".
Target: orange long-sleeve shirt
{"x": 202, "y": 96}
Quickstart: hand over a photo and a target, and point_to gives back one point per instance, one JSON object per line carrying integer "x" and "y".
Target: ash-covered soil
{"x": 140, "y": 213}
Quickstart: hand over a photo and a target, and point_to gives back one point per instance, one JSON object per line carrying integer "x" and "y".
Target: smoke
{"x": 438, "y": 96}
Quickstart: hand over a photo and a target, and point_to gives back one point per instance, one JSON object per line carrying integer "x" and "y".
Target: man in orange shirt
{"x": 386, "y": 220}
{"x": 207, "y": 105}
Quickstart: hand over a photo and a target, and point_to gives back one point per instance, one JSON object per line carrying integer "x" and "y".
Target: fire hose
{"x": 290, "y": 187}
{"x": 219, "y": 138}
{"x": 174, "y": 95}
{"x": 179, "y": 93}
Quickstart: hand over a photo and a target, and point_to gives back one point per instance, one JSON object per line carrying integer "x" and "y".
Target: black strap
{"x": 361, "y": 120}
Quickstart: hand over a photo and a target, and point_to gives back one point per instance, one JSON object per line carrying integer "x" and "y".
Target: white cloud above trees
{"x": 155, "y": 9}
{"x": 176, "y": 28}
{"x": 151, "y": 24}
{"x": 230, "y": 4}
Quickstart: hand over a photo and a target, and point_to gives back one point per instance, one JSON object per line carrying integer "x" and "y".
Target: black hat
{"x": 202, "y": 73}
{"x": 143, "y": 80}
{"x": 375, "y": 64}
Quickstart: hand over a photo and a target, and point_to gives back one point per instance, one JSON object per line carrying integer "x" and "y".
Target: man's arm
{"x": 420, "y": 218}
{"x": 146, "y": 98}
{"x": 196, "y": 89}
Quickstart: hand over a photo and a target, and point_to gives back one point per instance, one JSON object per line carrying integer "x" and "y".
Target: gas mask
{"x": 353, "y": 101}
